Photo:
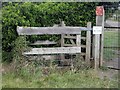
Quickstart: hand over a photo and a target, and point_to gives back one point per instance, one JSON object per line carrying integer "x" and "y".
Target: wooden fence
{"x": 66, "y": 32}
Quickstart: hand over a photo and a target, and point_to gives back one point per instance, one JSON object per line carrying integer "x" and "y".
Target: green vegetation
{"x": 22, "y": 73}
{"x": 110, "y": 53}
{"x": 111, "y": 39}
{"x": 118, "y": 14}
{"x": 57, "y": 79}
{"x": 41, "y": 15}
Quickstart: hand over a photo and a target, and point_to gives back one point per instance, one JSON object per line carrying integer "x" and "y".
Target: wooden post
{"x": 78, "y": 44}
{"x": 78, "y": 40}
{"x": 96, "y": 51}
{"x": 98, "y": 39}
{"x": 88, "y": 44}
{"x": 62, "y": 42}
{"x": 102, "y": 40}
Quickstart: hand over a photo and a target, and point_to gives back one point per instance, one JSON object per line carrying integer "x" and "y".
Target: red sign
{"x": 99, "y": 10}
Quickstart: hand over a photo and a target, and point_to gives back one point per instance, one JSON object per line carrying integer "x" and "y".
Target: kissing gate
{"x": 74, "y": 41}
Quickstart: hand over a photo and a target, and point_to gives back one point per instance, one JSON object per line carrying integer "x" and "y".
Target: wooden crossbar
{"x": 47, "y": 42}
{"x": 56, "y": 50}
{"x": 49, "y": 30}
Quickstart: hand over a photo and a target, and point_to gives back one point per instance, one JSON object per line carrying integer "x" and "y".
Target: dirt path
{"x": 111, "y": 73}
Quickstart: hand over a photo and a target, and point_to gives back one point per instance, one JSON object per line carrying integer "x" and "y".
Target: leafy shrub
{"x": 20, "y": 47}
{"x": 19, "y": 60}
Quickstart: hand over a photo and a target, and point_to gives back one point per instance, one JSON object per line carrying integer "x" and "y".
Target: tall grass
{"x": 68, "y": 79}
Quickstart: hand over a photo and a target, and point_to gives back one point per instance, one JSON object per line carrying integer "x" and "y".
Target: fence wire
{"x": 111, "y": 44}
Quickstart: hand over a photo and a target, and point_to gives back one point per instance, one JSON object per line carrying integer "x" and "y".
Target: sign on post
{"x": 99, "y": 11}
{"x": 98, "y": 37}
{"x": 97, "y": 29}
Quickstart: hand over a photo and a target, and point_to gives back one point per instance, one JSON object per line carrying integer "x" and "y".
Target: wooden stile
{"x": 66, "y": 32}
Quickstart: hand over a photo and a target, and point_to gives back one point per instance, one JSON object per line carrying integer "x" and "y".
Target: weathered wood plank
{"x": 62, "y": 40}
{"x": 71, "y": 45}
{"x": 49, "y": 30}
{"x": 97, "y": 51}
{"x": 83, "y": 54}
{"x": 83, "y": 38}
{"x": 88, "y": 44}
{"x": 62, "y": 45}
{"x": 97, "y": 44}
{"x": 57, "y": 50}
{"x": 47, "y": 42}
{"x": 83, "y": 46}
{"x": 78, "y": 40}
{"x": 102, "y": 40}
{"x": 70, "y": 37}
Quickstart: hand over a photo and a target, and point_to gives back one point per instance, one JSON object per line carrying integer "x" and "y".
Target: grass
{"x": 110, "y": 53}
{"x": 111, "y": 39}
{"x": 68, "y": 79}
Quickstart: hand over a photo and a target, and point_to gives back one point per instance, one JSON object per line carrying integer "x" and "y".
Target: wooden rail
{"x": 49, "y": 30}
{"x": 66, "y": 32}
{"x": 56, "y": 50}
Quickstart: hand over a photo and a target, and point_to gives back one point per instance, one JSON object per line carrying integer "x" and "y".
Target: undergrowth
{"x": 55, "y": 78}
{"x": 23, "y": 73}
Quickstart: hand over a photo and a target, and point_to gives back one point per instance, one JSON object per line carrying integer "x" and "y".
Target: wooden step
{"x": 56, "y": 50}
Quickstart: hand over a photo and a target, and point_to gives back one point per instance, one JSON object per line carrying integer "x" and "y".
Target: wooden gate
{"x": 74, "y": 34}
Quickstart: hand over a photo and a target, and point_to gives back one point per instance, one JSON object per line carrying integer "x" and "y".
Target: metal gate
{"x": 112, "y": 36}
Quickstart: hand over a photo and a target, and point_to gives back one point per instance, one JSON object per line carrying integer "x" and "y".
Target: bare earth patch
{"x": 112, "y": 74}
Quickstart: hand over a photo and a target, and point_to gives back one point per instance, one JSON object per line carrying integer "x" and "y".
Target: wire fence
{"x": 111, "y": 45}
{"x": 112, "y": 34}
